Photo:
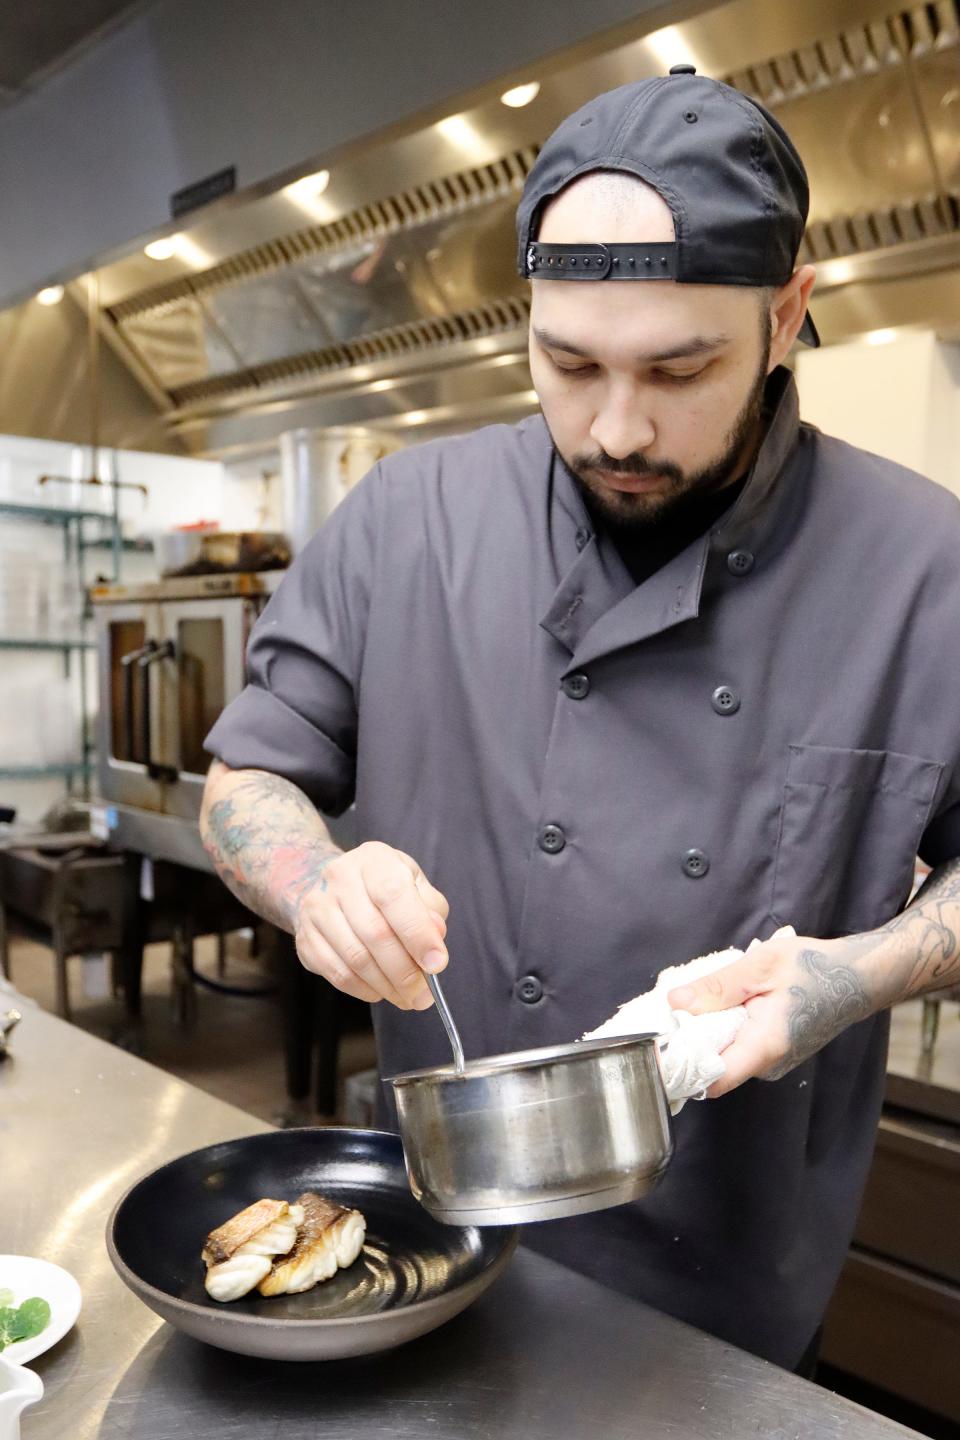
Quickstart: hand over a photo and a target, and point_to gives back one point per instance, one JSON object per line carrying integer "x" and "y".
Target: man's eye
{"x": 678, "y": 377}
{"x": 574, "y": 370}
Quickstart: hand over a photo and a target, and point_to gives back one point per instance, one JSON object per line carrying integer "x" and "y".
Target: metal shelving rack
{"x": 76, "y": 542}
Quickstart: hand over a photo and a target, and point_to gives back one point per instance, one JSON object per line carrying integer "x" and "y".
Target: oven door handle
{"x": 127, "y": 663}
{"x": 153, "y": 654}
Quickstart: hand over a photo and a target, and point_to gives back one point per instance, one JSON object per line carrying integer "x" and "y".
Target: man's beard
{"x": 627, "y": 513}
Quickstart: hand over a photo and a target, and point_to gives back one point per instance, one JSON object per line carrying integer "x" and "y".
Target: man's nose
{"x": 621, "y": 427}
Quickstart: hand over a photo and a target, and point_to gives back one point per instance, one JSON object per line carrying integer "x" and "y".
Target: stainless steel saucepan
{"x": 537, "y": 1134}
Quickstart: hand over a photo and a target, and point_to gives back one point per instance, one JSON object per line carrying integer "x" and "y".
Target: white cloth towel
{"x": 691, "y": 1046}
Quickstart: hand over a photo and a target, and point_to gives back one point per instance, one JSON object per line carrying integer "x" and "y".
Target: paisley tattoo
{"x": 831, "y": 998}
{"x": 929, "y": 928}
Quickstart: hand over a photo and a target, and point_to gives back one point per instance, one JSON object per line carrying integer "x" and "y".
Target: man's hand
{"x": 368, "y": 919}
{"x": 798, "y": 994}
{"x": 372, "y": 924}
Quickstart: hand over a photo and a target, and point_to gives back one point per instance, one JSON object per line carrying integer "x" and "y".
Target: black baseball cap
{"x": 735, "y": 185}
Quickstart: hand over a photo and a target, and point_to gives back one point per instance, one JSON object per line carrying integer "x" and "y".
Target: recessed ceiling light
{"x": 460, "y": 131}
{"x": 309, "y": 187}
{"x": 52, "y": 295}
{"x": 161, "y": 249}
{"x": 671, "y": 45}
{"x": 521, "y": 95}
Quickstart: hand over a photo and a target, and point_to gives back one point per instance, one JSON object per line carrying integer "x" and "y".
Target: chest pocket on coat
{"x": 850, "y": 826}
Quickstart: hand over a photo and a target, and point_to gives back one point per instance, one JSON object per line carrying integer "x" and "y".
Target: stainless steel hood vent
{"x": 417, "y": 271}
{"x": 497, "y": 316}
{"x": 404, "y": 312}
{"x": 446, "y": 196}
{"x": 896, "y": 79}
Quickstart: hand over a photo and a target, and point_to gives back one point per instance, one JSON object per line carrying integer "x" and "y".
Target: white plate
{"x": 27, "y": 1277}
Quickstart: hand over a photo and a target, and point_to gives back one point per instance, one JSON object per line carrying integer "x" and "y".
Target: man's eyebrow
{"x": 698, "y": 345}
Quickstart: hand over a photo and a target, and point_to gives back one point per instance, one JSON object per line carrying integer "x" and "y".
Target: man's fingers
{"x": 352, "y": 948}
{"x": 398, "y": 896}
{"x": 318, "y": 955}
{"x": 373, "y": 928}
{"x": 734, "y": 984}
{"x": 433, "y": 898}
{"x": 748, "y": 1057}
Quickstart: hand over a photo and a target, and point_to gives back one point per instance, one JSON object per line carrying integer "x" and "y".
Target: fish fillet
{"x": 236, "y": 1277}
{"x": 330, "y": 1238}
{"x": 238, "y": 1254}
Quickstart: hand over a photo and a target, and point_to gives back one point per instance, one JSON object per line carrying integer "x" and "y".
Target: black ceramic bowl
{"x": 412, "y": 1274}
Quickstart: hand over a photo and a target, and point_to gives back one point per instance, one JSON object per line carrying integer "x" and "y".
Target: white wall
{"x": 899, "y": 399}
{"x": 40, "y": 596}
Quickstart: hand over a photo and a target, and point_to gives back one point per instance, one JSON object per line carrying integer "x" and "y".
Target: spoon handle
{"x": 448, "y": 1025}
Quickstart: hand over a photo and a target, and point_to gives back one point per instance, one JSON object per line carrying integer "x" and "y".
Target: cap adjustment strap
{"x": 601, "y": 262}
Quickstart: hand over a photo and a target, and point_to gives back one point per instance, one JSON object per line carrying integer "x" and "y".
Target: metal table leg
{"x": 60, "y": 963}
{"x": 133, "y": 926}
{"x": 296, "y": 1004}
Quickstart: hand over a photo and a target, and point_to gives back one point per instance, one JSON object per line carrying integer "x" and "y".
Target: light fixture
{"x": 520, "y": 95}
{"x": 161, "y": 249}
{"x": 309, "y": 188}
{"x": 460, "y": 131}
{"x": 879, "y": 337}
{"x": 671, "y": 47}
{"x": 52, "y": 295}
{"x": 835, "y": 272}
{"x": 192, "y": 254}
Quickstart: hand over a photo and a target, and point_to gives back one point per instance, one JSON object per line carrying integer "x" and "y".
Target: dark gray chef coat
{"x": 605, "y": 779}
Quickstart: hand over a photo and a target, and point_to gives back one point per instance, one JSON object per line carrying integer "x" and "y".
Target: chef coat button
{"x": 529, "y": 990}
{"x": 695, "y": 864}
{"x": 577, "y": 687}
{"x": 725, "y": 701}
{"x": 740, "y": 562}
{"x": 552, "y": 839}
{"x": 581, "y": 538}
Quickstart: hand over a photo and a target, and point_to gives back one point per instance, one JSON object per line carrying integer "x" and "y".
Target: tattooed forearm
{"x": 831, "y": 996}
{"x": 266, "y": 841}
{"x": 927, "y": 934}
{"x": 846, "y": 980}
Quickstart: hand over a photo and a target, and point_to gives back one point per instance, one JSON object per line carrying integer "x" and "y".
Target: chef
{"x": 650, "y": 674}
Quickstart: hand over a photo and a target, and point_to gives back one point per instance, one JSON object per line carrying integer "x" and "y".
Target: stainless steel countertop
{"x": 545, "y": 1353}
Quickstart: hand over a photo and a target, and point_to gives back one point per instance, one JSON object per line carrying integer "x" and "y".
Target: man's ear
{"x": 787, "y": 310}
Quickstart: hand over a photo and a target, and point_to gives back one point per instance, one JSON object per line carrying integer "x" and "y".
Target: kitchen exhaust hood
{"x": 391, "y": 301}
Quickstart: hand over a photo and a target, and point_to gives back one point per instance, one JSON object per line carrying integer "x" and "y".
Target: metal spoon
{"x": 453, "y": 1034}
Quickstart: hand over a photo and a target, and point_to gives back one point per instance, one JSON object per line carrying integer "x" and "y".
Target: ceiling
{"x": 37, "y": 37}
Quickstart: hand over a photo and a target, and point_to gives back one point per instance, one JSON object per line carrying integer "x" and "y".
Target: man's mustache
{"x": 629, "y": 465}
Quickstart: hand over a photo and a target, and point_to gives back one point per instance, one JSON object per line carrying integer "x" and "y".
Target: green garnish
{"x": 28, "y": 1320}
{"x": 6, "y": 1297}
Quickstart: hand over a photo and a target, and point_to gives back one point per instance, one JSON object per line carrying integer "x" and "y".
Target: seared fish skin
{"x": 238, "y": 1253}
{"x": 330, "y": 1239}
{"x": 227, "y": 1238}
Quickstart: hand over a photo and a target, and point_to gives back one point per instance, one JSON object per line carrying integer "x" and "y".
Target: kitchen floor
{"x": 232, "y": 1047}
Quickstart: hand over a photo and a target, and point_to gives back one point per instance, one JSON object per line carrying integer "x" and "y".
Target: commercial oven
{"x": 170, "y": 656}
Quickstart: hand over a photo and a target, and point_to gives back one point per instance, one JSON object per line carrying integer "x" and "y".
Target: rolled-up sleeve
{"x": 297, "y": 715}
